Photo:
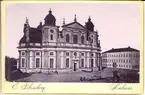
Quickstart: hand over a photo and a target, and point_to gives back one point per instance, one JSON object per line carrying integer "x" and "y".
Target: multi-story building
{"x": 125, "y": 58}
{"x": 47, "y": 48}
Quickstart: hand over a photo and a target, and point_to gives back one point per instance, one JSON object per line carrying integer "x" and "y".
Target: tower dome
{"x": 90, "y": 25}
{"x": 50, "y": 19}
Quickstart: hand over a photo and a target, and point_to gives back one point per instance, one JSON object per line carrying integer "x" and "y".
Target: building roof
{"x": 90, "y": 25}
{"x": 128, "y": 49}
{"x": 35, "y": 36}
{"x": 66, "y": 25}
{"x": 50, "y": 19}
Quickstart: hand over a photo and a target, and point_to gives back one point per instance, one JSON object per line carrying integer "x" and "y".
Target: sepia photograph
{"x": 72, "y": 43}
{"x": 54, "y": 47}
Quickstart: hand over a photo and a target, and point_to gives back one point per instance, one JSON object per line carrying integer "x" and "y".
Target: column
{"x": 62, "y": 59}
{"x": 54, "y": 60}
{"x": 31, "y": 60}
{"x": 58, "y": 59}
{"x": 19, "y": 63}
{"x": 88, "y": 60}
{"x": 43, "y": 59}
{"x": 71, "y": 59}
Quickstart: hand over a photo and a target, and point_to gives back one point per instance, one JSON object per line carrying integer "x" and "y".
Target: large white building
{"x": 125, "y": 58}
{"x": 47, "y": 48}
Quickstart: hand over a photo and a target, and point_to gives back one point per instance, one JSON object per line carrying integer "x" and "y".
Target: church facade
{"x": 47, "y": 48}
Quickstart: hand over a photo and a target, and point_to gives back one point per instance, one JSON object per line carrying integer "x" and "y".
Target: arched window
{"x": 75, "y": 39}
{"x": 23, "y": 62}
{"x": 82, "y": 62}
{"x": 51, "y": 63}
{"x": 82, "y": 39}
{"x": 37, "y": 53}
{"x": 92, "y": 62}
{"x": 51, "y": 37}
{"x": 37, "y": 62}
{"x": 67, "y": 62}
{"x": 67, "y": 38}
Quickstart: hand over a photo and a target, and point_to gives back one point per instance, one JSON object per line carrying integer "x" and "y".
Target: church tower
{"x": 49, "y": 29}
{"x": 50, "y": 19}
{"x": 90, "y": 25}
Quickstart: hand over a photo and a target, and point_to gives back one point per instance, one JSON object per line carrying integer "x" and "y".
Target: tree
{"x": 10, "y": 66}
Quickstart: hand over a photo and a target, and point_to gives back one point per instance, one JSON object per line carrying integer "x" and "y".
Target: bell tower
{"x": 90, "y": 25}
{"x": 49, "y": 29}
{"x": 50, "y": 19}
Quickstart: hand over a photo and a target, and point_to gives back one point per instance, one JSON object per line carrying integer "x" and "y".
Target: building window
{"x": 126, "y": 55}
{"x": 82, "y": 39}
{"x": 136, "y": 55}
{"x": 82, "y": 62}
{"x": 51, "y": 63}
{"x": 82, "y": 54}
{"x": 92, "y": 62}
{"x": 23, "y": 54}
{"x": 37, "y": 53}
{"x": 37, "y": 62}
{"x": 126, "y": 61}
{"x": 92, "y": 39}
{"x": 75, "y": 39}
{"x": 67, "y": 38}
{"x": 92, "y": 54}
{"x": 67, "y": 62}
{"x": 23, "y": 62}
{"x": 75, "y": 54}
{"x": 51, "y": 31}
{"x": 51, "y": 53}
{"x": 51, "y": 37}
{"x": 67, "y": 53}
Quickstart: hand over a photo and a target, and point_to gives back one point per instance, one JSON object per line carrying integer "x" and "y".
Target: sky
{"x": 118, "y": 24}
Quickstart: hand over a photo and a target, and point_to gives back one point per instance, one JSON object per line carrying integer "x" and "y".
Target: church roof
{"x": 40, "y": 26}
{"x": 35, "y": 36}
{"x": 128, "y": 49}
{"x": 72, "y": 23}
{"x": 50, "y": 19}
{"x": 90, "y": 25}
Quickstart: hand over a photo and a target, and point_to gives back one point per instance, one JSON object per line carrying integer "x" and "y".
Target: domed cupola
{"x": 89, "y": 25}
{"x": 50, "y": 19}
{"x": 39, "y": 26}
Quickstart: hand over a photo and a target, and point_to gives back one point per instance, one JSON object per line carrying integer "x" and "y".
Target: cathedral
{"x": 48, "y": 49}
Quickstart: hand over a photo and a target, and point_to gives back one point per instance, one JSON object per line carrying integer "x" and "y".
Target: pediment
{"x": 75, "y": 25}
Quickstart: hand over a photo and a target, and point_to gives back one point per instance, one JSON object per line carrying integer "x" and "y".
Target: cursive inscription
{"x": 120, "y": 86}
{"x": 28, "y": 86}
